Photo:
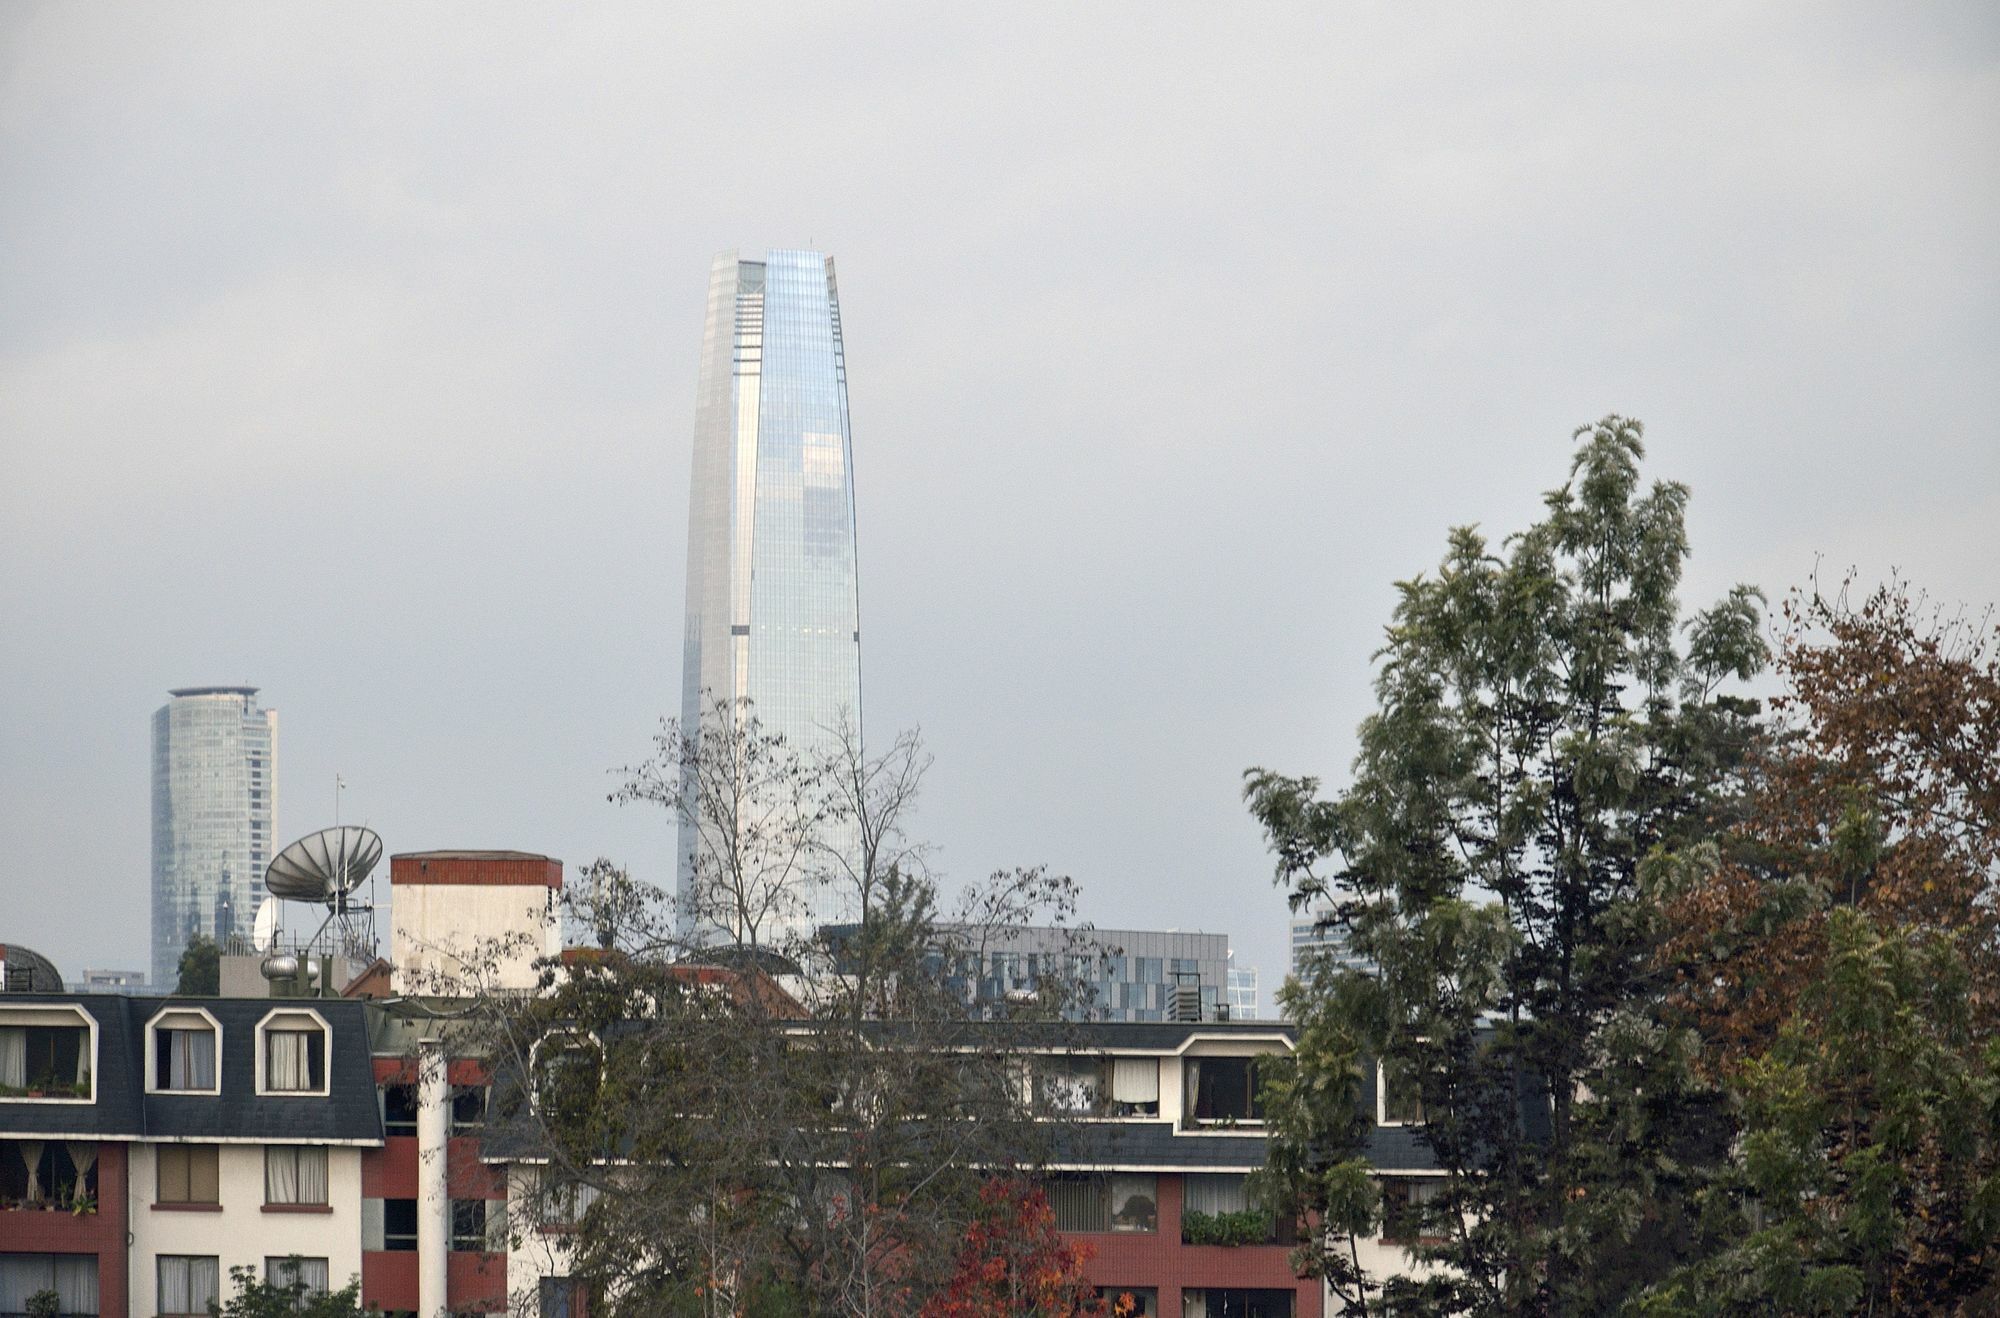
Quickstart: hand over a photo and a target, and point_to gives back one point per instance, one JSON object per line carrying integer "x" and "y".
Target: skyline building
{"x": 1243, "y": 991}
{"x": 773, "y": 612}
{"x": 214, "y": 806}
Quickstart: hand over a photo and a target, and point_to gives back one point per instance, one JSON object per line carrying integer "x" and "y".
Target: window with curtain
{"x": 184, "y": 1057}
{"x": 560, "y": 1297}
{"x": 294, "y": 1174}
{"x": 1080, "y": 1203}
{"x": 294, "y": 1059}
{"x": 1105, "y": 1203}
{"x": 188, "y": 1174}
{"x": 73, "y": 1277}
{"x": 1215, "y": 1302}
{"x": 561, "y": 1203}
{"x": 189, "y": 1283}
{"x": 293, "y": 1270}
{"x": 1135, "y": 1086}
{"x": 48, "y": 1172}
{"x": 1223, "y": 1089}
{"x": 1215, "y": 1193}
{"x": 1403, "y": 1209}
{"x": 1071, "y": 1085}
{"x": 49, "y": 1061}
{"x": 13, "y": 1057}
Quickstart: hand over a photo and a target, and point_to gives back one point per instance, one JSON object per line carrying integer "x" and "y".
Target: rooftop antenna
{"x": 326, "y": 867}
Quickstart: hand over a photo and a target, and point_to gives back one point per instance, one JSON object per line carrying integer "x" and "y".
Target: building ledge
{"x": 187, "y": 1208}
{"x": 298, "y": 1208}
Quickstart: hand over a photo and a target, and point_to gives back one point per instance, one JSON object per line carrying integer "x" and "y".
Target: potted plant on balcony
{"x": 44, "y": 1304}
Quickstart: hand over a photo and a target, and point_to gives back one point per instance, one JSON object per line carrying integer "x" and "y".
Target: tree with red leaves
{"x": 1015, "y": 1264}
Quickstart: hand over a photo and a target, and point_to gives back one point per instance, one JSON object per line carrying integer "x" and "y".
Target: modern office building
{"x": 773, "y": 613}
{"x": 1315, "y": 944}
{"x": 1243, "y": 1004}
{"x": 1122, "y": 974}
{"x": 215, "y": 790}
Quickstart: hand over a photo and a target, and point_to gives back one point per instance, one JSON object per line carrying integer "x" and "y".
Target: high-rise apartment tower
{"x": 773, "y": 614}
{"x": 215, "y": 789}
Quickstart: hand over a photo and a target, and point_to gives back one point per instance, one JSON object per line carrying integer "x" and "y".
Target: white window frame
{"x": 39, "y": 1016}
{"x": 164, "y": 1020}
{"x": 1382, "y": 1101}
{"x": 569, "y": 1041}
{"x": 290, "y": 1017}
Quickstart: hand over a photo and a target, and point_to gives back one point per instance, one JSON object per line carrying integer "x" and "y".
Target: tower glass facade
{"x": 773, "y": 611}
{"x": 215, "y": 790}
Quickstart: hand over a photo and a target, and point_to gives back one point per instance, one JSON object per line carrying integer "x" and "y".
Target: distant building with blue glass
{"x": 1125, "y": 974}
{"x": 773, "y": 612}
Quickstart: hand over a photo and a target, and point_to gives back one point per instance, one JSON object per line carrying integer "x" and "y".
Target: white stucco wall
{"x": 496, "y": 929}
{"x": 536, "y": 1253}
{"x": 243, "y": 1234}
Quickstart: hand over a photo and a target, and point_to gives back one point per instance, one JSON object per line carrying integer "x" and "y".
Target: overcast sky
{"x": 349, "y": 351}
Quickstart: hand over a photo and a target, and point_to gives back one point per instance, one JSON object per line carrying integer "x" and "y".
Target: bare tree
{"x": 743, "y": 1139}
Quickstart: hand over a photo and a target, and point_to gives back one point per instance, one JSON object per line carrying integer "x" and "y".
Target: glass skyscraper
{"x": 214, "y": 800}
{"x": 773, "y": 612}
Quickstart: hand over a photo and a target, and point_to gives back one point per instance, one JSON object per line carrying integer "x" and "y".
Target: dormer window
{"x": 184, "y": 1052}
{"x": 46, "y": 1054}
{"x": 291, "y": 1053}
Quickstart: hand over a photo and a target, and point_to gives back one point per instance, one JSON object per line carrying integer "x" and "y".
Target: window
{"x": 73, "y": 1277}
{"x": 189, "y": 1283}
{"x": 1105, "y": 1203}
{"x": 468, "y": 1225}
{"x": 1403, "y": 1209}
{"x": 399, "y": 1109}
{"x": 399, "y": 1225}
{"x": 309, "y": 1275}
{"x": 468, "y": 1109}
{"x": 560, "y": 1297}
{"x": 58, "y": 1173}
{"x": 187, "y": 1174}
{"x": 1233, "y": 1303}
{"x": 566, "y": 1078}
{"x": 1222, "y": 1089}
{"x": 1217, "y": 1210}
{"x": 1130, "y": 1301}
{"x": 294, "y": 1175}
{"x": 184, "y": 1052}
{"x": 294, "y": 1060}
{"x": 1073, "y": 1086}
{"x": 561, "y": 1203}
{"x": 1398, "y": 1097}
{"x": 1135, "y": 1087}
{"x": 44, "y": 1060}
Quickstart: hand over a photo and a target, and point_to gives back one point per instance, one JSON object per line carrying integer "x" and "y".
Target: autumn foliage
{"x": 1882, "y": 794}
{"x": 1015, "y": 1264}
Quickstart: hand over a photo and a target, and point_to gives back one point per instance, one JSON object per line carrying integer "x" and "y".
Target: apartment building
{"x": 148, "y": 1146}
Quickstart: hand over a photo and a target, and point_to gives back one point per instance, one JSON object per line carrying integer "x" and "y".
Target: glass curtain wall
{"x": 773, "y": 610}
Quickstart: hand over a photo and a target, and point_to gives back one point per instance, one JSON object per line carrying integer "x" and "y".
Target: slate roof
{"x": 347, "y": 1113}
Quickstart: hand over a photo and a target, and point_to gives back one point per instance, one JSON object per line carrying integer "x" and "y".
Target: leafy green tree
{"x": 1551, "y": 741}
{"x": 1867, "y": 1179}
{"x": 257, "y": 1298}
{"x": 200, "y": 968}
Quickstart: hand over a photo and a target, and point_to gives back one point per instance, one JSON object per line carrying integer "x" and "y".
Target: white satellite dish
{"x": 264, "y": 931}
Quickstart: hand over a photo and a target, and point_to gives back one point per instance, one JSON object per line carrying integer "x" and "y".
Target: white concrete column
{"x": 433, "y": 1191}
